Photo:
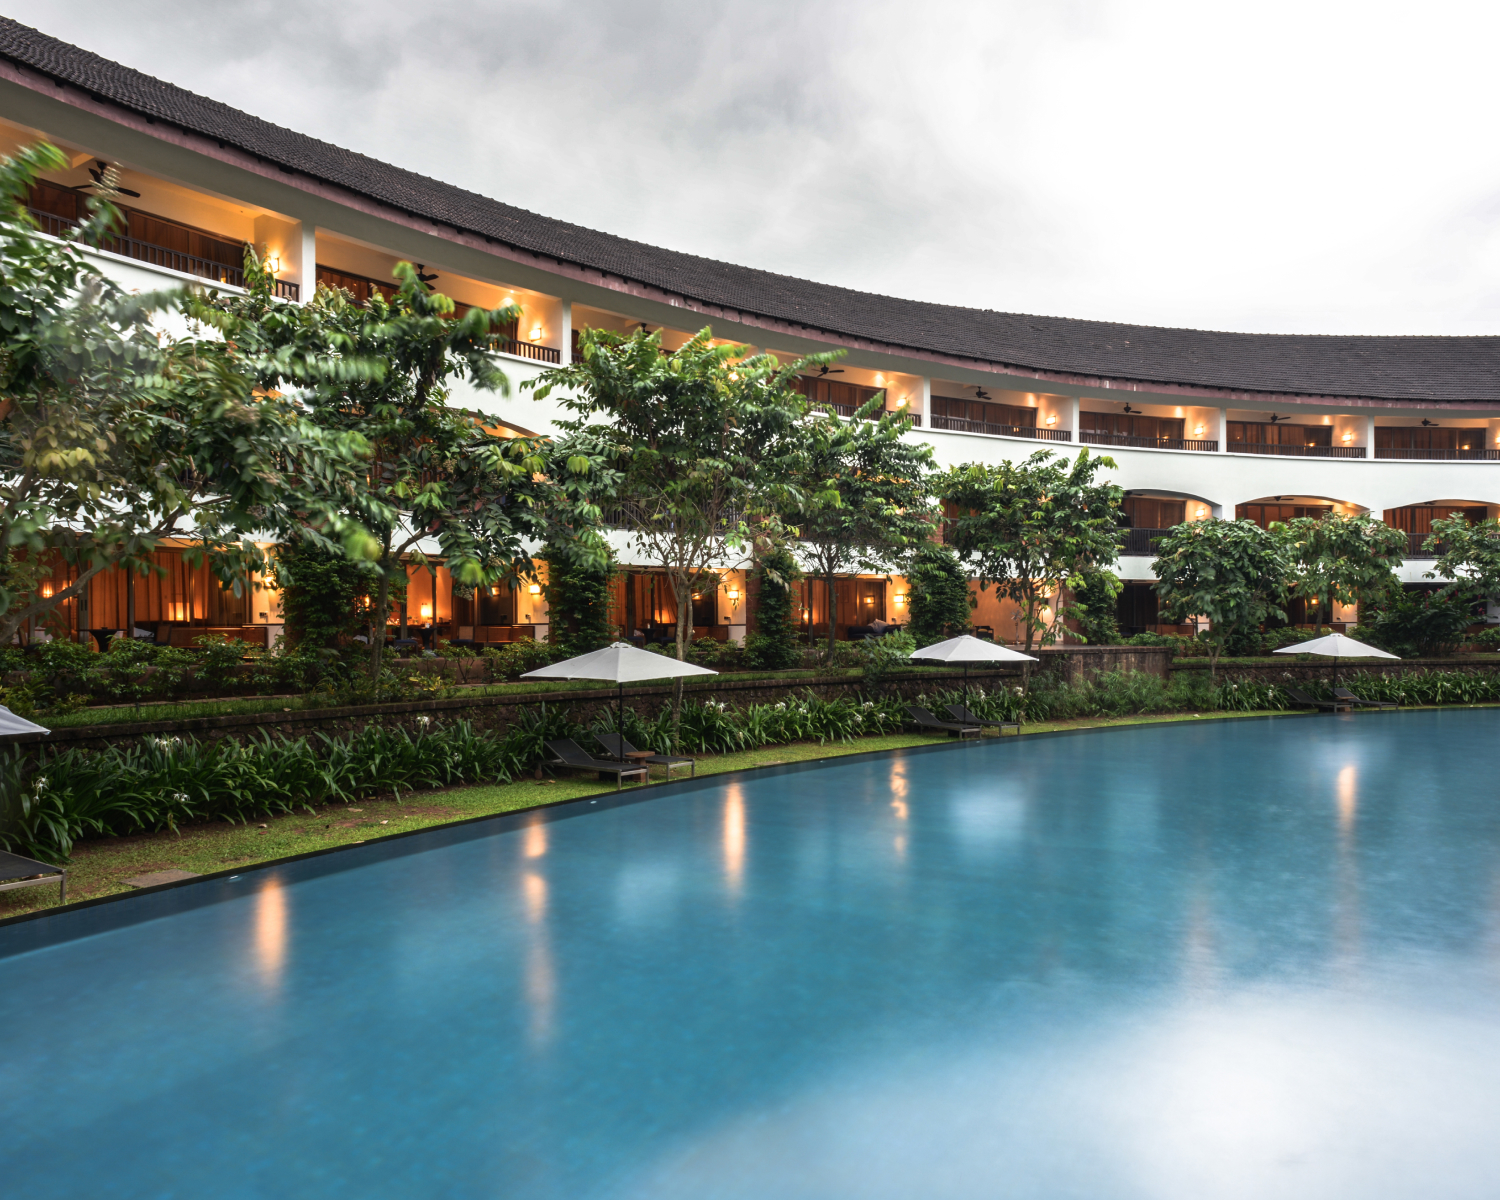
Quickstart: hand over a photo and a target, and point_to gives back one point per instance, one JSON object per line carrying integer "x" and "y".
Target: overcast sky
{"x": 1300, "y": 166}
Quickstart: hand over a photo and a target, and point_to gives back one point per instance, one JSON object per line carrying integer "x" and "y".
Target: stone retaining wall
{"x": 1321, "y": 669}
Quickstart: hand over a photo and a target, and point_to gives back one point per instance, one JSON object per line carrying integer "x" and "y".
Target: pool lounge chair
{"x": 1346, "y": 694}
{"x": 616, "y": 746}
{"x": 925, "y": 720}
{"x": 1306, "y": 701}
{"x": 568, "y": 753}
{"x": 18, "y": 872}
{"x": 964, "y": 717}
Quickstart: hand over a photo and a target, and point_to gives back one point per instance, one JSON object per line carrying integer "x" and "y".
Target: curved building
{"x": 1201, "y": 423}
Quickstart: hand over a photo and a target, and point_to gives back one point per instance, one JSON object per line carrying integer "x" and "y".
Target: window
{"x": 1132, "y": 425}
{"x": 1264, "y": 433}
{"x": 972, "y": 416}
{"x": 1146, "y": 512}
{"x": 1264, "y": 514}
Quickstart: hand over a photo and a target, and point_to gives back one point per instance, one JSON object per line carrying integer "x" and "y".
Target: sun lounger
{"x": 18, "y": 872}
{"x": 568, "y": 753}
{"x": 925, "y": 720}
{"x": 964, "y": 717}
{"x": 1346, "y": 694}
{"x": 616, "y": 746}
{"x": 1306, "y": 701}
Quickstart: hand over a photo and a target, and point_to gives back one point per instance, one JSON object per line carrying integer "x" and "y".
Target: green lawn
{"x": 99, "y": 867}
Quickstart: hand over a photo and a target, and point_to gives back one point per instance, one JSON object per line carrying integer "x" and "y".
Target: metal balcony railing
{"x": 1139, "y": 541}
{"x": 1039, "y": 432}
{"x": 163, "y": 256}
{"x": 1399, "y": 452}
{"x": 1095, "y": 437}
{"x": 1297, "y": 451}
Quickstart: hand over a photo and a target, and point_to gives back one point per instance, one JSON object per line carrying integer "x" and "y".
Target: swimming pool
{"x": 1245, "y": 958}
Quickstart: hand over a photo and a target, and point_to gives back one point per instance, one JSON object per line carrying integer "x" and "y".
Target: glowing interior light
{"x": 535, "y": 589}
{"x": 426, "y": 612}
{"x": 46, "y": 589}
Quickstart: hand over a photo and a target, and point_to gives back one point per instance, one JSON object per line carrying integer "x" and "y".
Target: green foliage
{"x": 1339, "y": 560}
{"x": 578, "y": 594}
{"x": 773, "y": 646}
{"x": 938, "y": 597}
{"x": 112, "y": 440}
{"x": 1467, "y": 554}
{"x": 134, "y": 671}
{"x": 1232, "y": 572}
{"x": 1418, "y": 624}
{"x": 882, "y": 655}
{"x": 690, "y": 445}
{"x": 1031, "y": 528}
{"x": 720, "y": 656}
{"x": 1094, "y": 597}
{"x": 511, "y": 660}
{"x": 859, "y": 497}
{"x": 320, "y": 587}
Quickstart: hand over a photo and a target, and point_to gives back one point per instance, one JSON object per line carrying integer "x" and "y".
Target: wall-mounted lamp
{"x": 536, "y": 333}
{"x": 1202, "y": 512}
{"x": 900, "y": 599}
{"x": 426, "y": 612}
{"x": 902, "y": 401}
{"x": 494, "y": 589}
{"x": 273, "y": 263}
{"x": 1051, "y": 418}
{"x": 535, "y": 589}
{"x": 46, "y": 589}
{"x": 1198, "y": 430}
{"x": 734, "y": 594}
{"x": 1348, "y": 436}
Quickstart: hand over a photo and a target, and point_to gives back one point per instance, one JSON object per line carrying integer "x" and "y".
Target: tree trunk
{"x": 130, "y": 602}
{"x": 833, "y": 610}
{"x": 377, "y": 627}
{"x": 684, "y": 590}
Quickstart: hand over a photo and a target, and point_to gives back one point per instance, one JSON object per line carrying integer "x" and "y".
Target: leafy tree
{"x": 578, "y": 595}
{"x": 112, "y": 441}
{"x": 1419, "y": 624}
{"x": 699, "y": 439}
{"x": 1094, "y": 597}
{"x": 1340, "y": 560}
{"x": 435, "y": 472}
{"x": 773, "y": 645}
{"x": 320, "y": 588}
{"x": 863, "y": 495}
{"x": 1469, "y": 555}
{"x": 1032, "y": 527}
{"x": 1232, "y": 572}
{"x": 937, "y": 596}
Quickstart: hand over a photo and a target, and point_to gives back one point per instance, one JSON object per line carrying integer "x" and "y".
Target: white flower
{"x": 424, "y": 721}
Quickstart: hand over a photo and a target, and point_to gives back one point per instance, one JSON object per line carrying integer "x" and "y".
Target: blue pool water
{"x": 1240, "y": 959}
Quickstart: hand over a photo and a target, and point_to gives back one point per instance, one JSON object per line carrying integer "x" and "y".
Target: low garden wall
{"x": 1314, "y": 670}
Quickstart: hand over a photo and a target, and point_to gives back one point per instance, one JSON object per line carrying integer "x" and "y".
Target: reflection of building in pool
{"x": 1199, "y": 423}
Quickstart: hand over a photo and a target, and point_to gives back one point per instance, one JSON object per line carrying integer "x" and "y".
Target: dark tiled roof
{"x": 1384, "y": 368}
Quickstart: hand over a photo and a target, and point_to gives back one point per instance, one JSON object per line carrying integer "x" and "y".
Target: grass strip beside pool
{"x": 99, "y": 867}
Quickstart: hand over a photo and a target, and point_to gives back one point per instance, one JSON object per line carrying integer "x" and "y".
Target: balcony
{"x": 157, "y": 255}
{"x": 1138, "y": 541}
{"x": 1435, "y": 454}
{"x": 1295, "y": 451}
{"x": 529, "y": 350}
{"x": 1095, "y": 437}
{"x": 964, "y": 425}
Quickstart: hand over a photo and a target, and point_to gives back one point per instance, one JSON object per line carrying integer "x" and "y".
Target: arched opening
{"x": 1415, "y": 520}
{"x": 1267, "y": 509}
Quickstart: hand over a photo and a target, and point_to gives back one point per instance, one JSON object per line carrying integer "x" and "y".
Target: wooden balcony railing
{"x": 848, "y": 410}
{"x": 1437, "y": 455}
{"x": 1297, "y": 451}
{"x": 1094, "y": 437}
{"x": 1040, "y": 432}
{"x": 529, "y": 350}
{"x": 1139, "y": 541}
{"x": 162, "y": 256}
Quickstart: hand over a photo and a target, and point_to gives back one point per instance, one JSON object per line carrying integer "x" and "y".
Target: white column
{"x": 1370, "y": 436}
{"x": 1075, "y": 406}
{"x": 924, "y": 398}
{"x": 565, "y": 332}
{"x": 1223, "y": 431}
{"x": 307, "y": 264}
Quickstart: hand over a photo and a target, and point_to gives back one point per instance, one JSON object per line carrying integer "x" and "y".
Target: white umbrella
{"x": 619, "y": 664}
{"x": 11, "y": 725}
{"x": 967, "y": 649}
{"x": 1336, "y": 646}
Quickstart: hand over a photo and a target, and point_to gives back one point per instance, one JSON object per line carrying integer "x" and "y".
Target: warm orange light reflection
{"x": 900, "y": 845}
{"x": 534, "y": 889}
{"x": 900, "y": 809}
{"x": 270, "y": 931}
{"x": 734, "y": 836}
{"x": 1348, "y": 797}
{"x": 535, "y": 844}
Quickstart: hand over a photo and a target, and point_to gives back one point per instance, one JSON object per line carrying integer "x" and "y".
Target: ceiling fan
{"x": 825, "y": 369}
{"x": 1429, "y": 424}
{"x": 423, "y": 278}
{"x": 980, "y": 393}
{"x": 97, "y": 174}
{"x": 1275, "y": 418}
{"x": 1128, "y": 409}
